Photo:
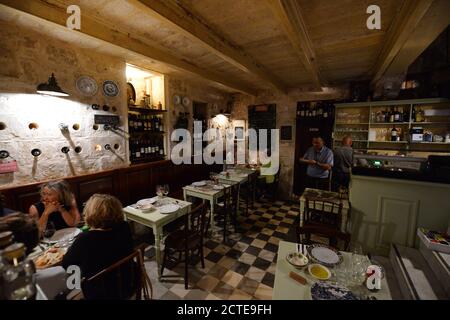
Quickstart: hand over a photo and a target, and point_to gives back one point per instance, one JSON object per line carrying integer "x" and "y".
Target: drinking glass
{"x": 49, "y": 230}
{"x": 159, "y": 191}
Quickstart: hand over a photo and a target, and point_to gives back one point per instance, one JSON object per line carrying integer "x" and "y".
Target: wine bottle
{"x": 400, "y": 115}
{"x": 391, "y": 115}
{"x": 320, "y": 110}
{"x": 325, "y": 110}
{"x": 394, "y": 134}
{"x": 413, "y": 115}
{"x": 396, "y": 115}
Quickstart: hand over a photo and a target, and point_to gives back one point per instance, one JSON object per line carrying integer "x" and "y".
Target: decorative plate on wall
{"x": 110, "y": 88}
{"x": 176, "y": 99}
{"x": 87, "y": 86}
{"x": 186, "y": 101}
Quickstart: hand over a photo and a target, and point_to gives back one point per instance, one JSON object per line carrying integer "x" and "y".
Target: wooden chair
{"x": 250, "y": 191}
{"x": 186, "y": 240}
{"x": 319, "y": 212}
{"x": 304, "y": 236}
{"x": 124, "y": 280}
{"x": 228, "y": 207}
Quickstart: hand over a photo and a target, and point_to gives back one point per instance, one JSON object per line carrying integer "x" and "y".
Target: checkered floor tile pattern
{"x": 241, "y": 268}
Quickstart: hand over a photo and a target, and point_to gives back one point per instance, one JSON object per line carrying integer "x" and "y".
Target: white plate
{"x": 169, "y": 208}
{"x": 110, "y": 88}
{"x": 144, "y": 202}
{"x": 297, "y": 259}
{"x": 87, "y": 86}
{"x": 65, "y": 234}
{"x": 217, "y": 187}
{"x": 199, "y": 183}
{"x": 325, "y": 255}
{"x": 186, "y": 101}
{"x": 176, "y": 99}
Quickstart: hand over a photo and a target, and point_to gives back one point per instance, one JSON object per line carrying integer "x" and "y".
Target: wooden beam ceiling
{"x": 288, "y": 12}
{"x": 91, "y": 27}
{"x": 403, "y": 25}
{"x": 178, "y": 14}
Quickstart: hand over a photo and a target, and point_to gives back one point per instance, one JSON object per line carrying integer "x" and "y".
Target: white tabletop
{"x": 156, "y": 217}
{"x": 286, "y": 288}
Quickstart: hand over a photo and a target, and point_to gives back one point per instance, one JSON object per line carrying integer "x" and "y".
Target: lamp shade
{"x": 51, "y": 88}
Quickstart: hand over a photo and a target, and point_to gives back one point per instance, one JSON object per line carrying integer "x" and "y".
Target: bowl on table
{"x": 297, "y": 259}
{"x": 319, "y": 271}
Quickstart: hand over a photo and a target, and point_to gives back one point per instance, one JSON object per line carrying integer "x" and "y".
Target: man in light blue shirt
{"x": 319, "y": 159}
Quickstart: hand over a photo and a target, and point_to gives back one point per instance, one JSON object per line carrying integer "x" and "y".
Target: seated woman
{"x": 57, "y": 206}
{"x": 107, "y": 241}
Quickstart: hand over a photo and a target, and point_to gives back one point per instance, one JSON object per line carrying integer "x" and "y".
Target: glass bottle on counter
{"x": 18, "y": 274}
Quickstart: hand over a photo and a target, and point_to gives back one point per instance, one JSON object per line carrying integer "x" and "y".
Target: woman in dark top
{"x": 108, "y": 241}
{"x": 57, "y": 206}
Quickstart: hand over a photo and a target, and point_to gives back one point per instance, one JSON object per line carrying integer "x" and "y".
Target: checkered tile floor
{"x": 242, "y": 268}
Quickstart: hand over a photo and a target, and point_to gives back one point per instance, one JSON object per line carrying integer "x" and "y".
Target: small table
{"x": 286, "y": 288}
{"x": 157, "y": 221}
{"x": 328, "y": 196}
{"x": 207, "y": 193}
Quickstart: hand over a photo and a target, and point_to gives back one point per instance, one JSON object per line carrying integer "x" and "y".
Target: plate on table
{"x": 146, "y": 201}
{"x": 218, "y": 187}
{"x": 110, "y": 88}
{"x": 199, "y": 183}
{"x": 50, "y": 258}
{"x": 65, "y": 234}
{"x": 87, "y": 86}
{"x": 331, "y": 291}
{"x": 325, "y": 255}
{"x": 169, "y": 208}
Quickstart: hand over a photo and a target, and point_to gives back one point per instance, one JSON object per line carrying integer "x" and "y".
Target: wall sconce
{"x": 51, "y": 88}
{"x": 107, "y": 146}
{"x": 65, "y": 150}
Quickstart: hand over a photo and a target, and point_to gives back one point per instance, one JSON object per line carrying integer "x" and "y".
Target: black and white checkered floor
{"x": 243, "y": 268}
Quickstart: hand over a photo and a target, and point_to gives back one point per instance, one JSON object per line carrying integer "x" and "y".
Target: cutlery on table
{"x": 298, "y": 278}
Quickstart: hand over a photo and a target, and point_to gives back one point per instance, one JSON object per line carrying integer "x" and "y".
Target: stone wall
{"x": 29, "y": 58}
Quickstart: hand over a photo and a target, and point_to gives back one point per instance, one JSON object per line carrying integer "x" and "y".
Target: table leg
{"x": 158, "y": 238}
{"x": 212, "y": 202}
{"x": 184, "y": 195}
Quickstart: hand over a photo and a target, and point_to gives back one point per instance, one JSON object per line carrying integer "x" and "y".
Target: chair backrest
{"x": 123, "y": 280}
{"x": 195, "y": 222}
{"x": 333, "y": 235}
{"x": 326, "y": 212}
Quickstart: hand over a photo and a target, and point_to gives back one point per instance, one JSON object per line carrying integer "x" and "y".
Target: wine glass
{"x": 50, "y": 230}
{"x": 166, "y": 190}
{"x": 159, "y": 191}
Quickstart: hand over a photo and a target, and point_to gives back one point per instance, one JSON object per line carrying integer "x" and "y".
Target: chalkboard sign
{"x": 286, "y": 133}
{"x": 263, "y": 117}
{"x": 106, "y": 119}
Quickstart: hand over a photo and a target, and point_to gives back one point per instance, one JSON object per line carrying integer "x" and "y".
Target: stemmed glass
{"x": 50, "y": 230}
{"x": 166, "y": 190}
{"x": 159, "y": 191}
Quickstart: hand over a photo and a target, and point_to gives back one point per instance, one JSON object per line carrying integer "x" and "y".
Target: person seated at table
{"x": 23, "y": 227}
{"x": 107, "y": 241}
{"x": 319, "y": 159}
{"x": 57, "y": 205}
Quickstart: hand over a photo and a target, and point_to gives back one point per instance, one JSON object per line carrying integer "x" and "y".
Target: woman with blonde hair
{"x": 57, "y": 206}
{"x": 107, "y": 241}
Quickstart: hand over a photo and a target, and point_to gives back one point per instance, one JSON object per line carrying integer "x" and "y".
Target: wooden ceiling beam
{"x": 190, "y": 24}
{"x": 289, "y": 14}
{"x": 404, "y": 24}
{"x": 92, "y": 28}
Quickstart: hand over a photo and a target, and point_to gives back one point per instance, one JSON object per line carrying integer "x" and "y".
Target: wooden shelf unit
{"x": 361, "y": 124}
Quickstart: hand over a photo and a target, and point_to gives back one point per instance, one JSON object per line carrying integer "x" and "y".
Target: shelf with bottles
{"x": 153, "y": 110}
{"x": 146, "y": 149}
{"x": 315, "y": 110}
{"x": 139, "y": 123}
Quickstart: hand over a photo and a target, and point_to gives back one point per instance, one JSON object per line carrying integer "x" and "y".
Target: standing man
{"x": 319, "y": 159}
{"x": 343, "y": 162}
